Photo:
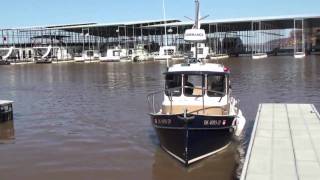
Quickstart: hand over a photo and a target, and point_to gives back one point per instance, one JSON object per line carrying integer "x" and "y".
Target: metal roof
{"x": 281, "y": 22}
{"x": 105, "y": 25}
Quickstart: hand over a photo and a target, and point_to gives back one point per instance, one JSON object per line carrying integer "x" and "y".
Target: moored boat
{"x": 259, "y": 56}
{"x": 198, "y": 116}
{"x": 299, "y": 55}
{"x": 219, "y": 56}
{"x": 6, "y": 112}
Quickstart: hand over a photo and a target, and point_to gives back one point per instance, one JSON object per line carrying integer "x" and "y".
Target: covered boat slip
{"x": 285, "y": 143}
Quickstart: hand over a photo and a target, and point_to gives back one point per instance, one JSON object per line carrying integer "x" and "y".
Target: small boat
{"x": 112, "y": 55}
{"x": 139, "y": 54}
{"x": 5, "y": 53}
{"x": 6, "y": 112}
{"x": 202, "y": 51}
{"x": 43, "y": 55}
{"x": 219, "y": 56}
{"x": 299, "y": 55}
{"x": 8, "y": 53}
{"x": 91, "y": 56}
{"x": 177, "y": 57}
{"x": 259, "y": 56}
{"x": 198, "y": 115}
{"x": 165, "y": 52}
{"x": 87, "y": 56}
{"x": 3, "y": 62}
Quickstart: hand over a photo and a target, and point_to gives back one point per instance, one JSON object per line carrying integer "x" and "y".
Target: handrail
{"x": 170, "y": 92}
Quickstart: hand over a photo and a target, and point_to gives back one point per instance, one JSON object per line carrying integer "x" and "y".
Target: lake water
{"x": 90, "y": 121}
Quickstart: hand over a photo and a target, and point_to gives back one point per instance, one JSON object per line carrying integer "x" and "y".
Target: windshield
{"x": 196, "y": 85}
{"x": 193, "y": 85}
{"x": 173, "y": 84}
{"x": 216, "y": 85}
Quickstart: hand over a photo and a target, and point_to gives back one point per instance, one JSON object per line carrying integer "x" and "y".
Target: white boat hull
{"x": 259, "y": 56}
{"x": 109, "y": 59}
{"x": 219, "y": 56}
{"x": 162, "y": 58}
{"x": 299, "y": 55}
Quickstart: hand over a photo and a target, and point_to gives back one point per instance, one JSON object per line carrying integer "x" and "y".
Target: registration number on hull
{"x": 162, "y": 121}
{"x": 215, "y": 122}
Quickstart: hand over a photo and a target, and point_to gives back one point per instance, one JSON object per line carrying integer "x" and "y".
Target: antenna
{"x": 165, "y": 28}
{"x": 197, "y": 12}
{"x": 196, "y": 34}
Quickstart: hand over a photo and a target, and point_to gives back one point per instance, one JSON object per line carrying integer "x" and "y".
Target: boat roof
{"x": 5, "y": 102}
{"x": 201, "y": 68}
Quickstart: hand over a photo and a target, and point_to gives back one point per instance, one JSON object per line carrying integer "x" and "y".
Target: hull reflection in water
{"x": 7, "y": 134}
{"x": 223, "y": 166}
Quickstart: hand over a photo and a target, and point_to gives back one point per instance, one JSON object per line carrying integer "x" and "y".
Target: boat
{"x": 8, "y": 52}
{"x": 299, "y": 55}
{"x": 91, "y": 56}
{"x": 259, "y": 56}
{"x": 43, "y": 55}
{"x": 112, "y": 55}
{"x": 4, "y": 62}
{"x": 139, "y": 54}
{"x": 219, "y": 56}
{"x": 198, "y": 116}
{"x": 165, "y": 52}
{"x": 202, "y": 51}
{"x": 259, "y": 46}
{"x": 5, "y": 53}
{"x": 87, "y": 56}
{"x": 178, "y": 56}
{"x": 6, "y": 112}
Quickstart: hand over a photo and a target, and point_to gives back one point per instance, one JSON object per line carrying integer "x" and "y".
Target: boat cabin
{"x": 202, "y": 51}
{"x": 197, "y": 92}
{"x": 6, "y": 112}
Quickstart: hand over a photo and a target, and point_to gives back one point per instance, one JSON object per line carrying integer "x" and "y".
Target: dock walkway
{"x": 285, "y": 144}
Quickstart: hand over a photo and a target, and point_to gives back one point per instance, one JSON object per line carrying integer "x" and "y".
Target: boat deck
{"x": 285, "y": 143}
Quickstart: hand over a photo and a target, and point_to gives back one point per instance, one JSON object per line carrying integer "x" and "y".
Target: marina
{"x": 284, "y": 143}
{"x": 150, "y": 40}
{"x": 161, "y": 99}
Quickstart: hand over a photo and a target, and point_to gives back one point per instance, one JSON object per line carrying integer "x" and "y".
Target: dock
{"x": 284, "y": 144}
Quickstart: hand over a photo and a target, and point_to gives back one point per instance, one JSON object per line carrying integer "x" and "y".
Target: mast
{"x": 197, "y": 14}
{"x": 165, "y": 29}
{"x": 303, "y": 37}
{"x": 197, "y": 23}
{"x": 294, "y": 36}
{"x": 196, "y": 34}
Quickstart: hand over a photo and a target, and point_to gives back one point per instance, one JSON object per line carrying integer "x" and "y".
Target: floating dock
{"x": 285, "y": 143}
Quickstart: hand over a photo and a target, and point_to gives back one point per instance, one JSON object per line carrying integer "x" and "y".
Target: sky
{"x": 26, "y": 13}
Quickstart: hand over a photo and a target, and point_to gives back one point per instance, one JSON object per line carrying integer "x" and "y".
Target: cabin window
{"x": 200, "y": 50}
{"x": 193, "y": 85}
{"x": 173, "y": 85}
{"x": 6, "y": 108}
{"x": 216, "y": 85}
{"x": 116, "y": 53}
{"x": 169, "y": 52}
{"x": 89, "y": 53}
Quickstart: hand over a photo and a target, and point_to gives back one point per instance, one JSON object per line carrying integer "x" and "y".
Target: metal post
{"x": 294, "y": 36}
{"x": 303, "y": 37}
